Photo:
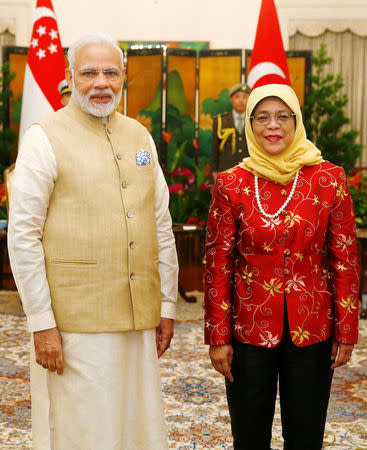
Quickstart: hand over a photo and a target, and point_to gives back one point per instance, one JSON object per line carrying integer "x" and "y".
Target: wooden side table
{"x": 190, "y": 244}
{"x": 362, "y": 250}
{"x": 6, "y": 276}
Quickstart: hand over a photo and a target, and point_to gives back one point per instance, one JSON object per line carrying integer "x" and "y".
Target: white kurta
{"x": 109, "y": 396}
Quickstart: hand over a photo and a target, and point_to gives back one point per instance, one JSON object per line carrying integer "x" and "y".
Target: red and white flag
{"x": 268, "y": 59}
{"x": 44, "y": 70}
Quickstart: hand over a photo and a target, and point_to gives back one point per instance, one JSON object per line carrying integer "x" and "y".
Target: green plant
{"x": 189, "y": 190}
{"x": 325, "y": 118}
{"x": 7, "y": 135}
{"x": 358, "y": 189}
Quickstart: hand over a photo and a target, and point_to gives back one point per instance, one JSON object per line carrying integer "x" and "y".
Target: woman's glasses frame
{"x": 264, "y": 119}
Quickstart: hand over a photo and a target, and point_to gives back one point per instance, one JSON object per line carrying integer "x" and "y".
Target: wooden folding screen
{"x": 219, "y": 70}
{"x": 180, "y": 106}
{"x": 144, "y": 89}
{"x": 176, "y": 92}
{"x": 17, "y": 57}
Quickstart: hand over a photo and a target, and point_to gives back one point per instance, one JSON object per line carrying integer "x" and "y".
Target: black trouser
{"x": 304, "y": 387}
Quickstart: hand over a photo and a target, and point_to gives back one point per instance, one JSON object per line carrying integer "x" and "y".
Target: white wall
{"x": 226, "y": 24}
{"x": 21, "y": 11}
{"x": 193, "y": 20}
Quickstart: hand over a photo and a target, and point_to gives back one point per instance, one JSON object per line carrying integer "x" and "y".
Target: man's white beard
{"x": 96, "y": 109}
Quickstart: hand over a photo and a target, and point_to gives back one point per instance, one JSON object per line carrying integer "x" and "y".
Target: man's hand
{"x": 221, "y": 357}
{"x": 163, "y": 335}
{"x": 340, "y": 353}
{"x": 48, "y": 348}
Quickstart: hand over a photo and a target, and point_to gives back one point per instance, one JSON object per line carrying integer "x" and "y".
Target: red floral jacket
{"x": 308, "y": 253}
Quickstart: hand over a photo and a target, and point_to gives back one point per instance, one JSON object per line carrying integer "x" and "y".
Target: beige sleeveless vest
{"x": 100, "y": 237}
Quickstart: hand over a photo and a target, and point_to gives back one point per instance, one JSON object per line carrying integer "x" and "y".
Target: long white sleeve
{"x": 168, "y": 265}
{"x": 31, "y": 189}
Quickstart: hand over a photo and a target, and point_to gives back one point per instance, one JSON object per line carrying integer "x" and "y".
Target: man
{"x": 65, "y": 92}
{"x": 229, "y": 141}
{"x": 94, "y": 259}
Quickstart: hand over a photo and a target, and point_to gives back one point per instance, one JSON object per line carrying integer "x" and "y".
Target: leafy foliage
{"x": 358, "y": 189}
{"x": 17, "y": 109}
{"x": 214, "y": 107}
{"x": 325, "y": 118}
{"x": 189, "y": 189}
{"x": 7, "y": 135}
{"x": 182, "y": 129}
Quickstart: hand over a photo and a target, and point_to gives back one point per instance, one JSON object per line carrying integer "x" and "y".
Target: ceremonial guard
{"x": 65, "y": 92}
{"x": 229, "y": 141}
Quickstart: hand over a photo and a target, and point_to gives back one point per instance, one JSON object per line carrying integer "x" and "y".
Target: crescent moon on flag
{"x": 43, "y": 12}
{"x": 262, "y": 69}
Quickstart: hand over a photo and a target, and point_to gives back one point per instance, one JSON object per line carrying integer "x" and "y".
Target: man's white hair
{"x": 93, "y": 38}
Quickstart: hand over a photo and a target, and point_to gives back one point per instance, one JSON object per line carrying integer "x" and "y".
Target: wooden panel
{"x": 190, "y": 251}
{"x": 144, "y": 90}
{"x": 219, "y": 70}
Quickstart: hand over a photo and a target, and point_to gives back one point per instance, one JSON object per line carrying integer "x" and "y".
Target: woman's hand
{"x": 221, "y": 357}
{"x": 340, "y": 353}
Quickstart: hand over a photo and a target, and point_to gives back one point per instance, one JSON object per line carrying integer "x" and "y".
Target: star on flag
{"x": 53, "y": 34}
{"x": 52, "y": 48}
{"x": 41, "y": 30}
{"x": 41, "y": 53}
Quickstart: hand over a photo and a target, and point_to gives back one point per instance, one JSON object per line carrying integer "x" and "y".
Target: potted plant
{"x": 190, "y": 198}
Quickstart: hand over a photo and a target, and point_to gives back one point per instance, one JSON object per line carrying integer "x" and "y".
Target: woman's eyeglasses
{"x": 264, "y": 118}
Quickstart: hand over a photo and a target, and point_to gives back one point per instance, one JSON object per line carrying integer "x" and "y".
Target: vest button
{"x": 132, "y": 276}
{"x": 118, "y": 156}
{"x": 239, "y": 151}
{"x": 124, "y": 185}
{"x": 287, "y": 252}
{"x": 129, "y": 214}
{"x": 240, "y": 139}
{"x": 286, "y": 272}
{"x": 284, "y": 192}
{"x": 132, "y": 244}
{"x": 109, "y": 131}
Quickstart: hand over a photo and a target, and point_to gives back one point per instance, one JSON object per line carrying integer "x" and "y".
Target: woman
{"x": 281, "y": 281}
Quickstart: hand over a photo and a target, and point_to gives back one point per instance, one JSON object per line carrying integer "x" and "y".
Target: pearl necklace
{"x": 281, "y": 209}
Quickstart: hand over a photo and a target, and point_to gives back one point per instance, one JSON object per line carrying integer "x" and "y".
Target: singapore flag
{"x": 44, "y": 70}
{"x": 268, "y": 59}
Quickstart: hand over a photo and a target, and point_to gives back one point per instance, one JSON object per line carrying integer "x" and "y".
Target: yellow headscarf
{"x": 279, "y": 168}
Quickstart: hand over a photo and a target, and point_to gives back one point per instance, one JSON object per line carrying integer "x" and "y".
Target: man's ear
{"x": 69, "y": 77}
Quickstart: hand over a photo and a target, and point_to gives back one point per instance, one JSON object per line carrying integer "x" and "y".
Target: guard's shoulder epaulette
{"x": 222, "y": 114}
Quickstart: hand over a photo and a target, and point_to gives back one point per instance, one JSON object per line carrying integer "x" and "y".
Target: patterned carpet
{"x": 194, "y": 393}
